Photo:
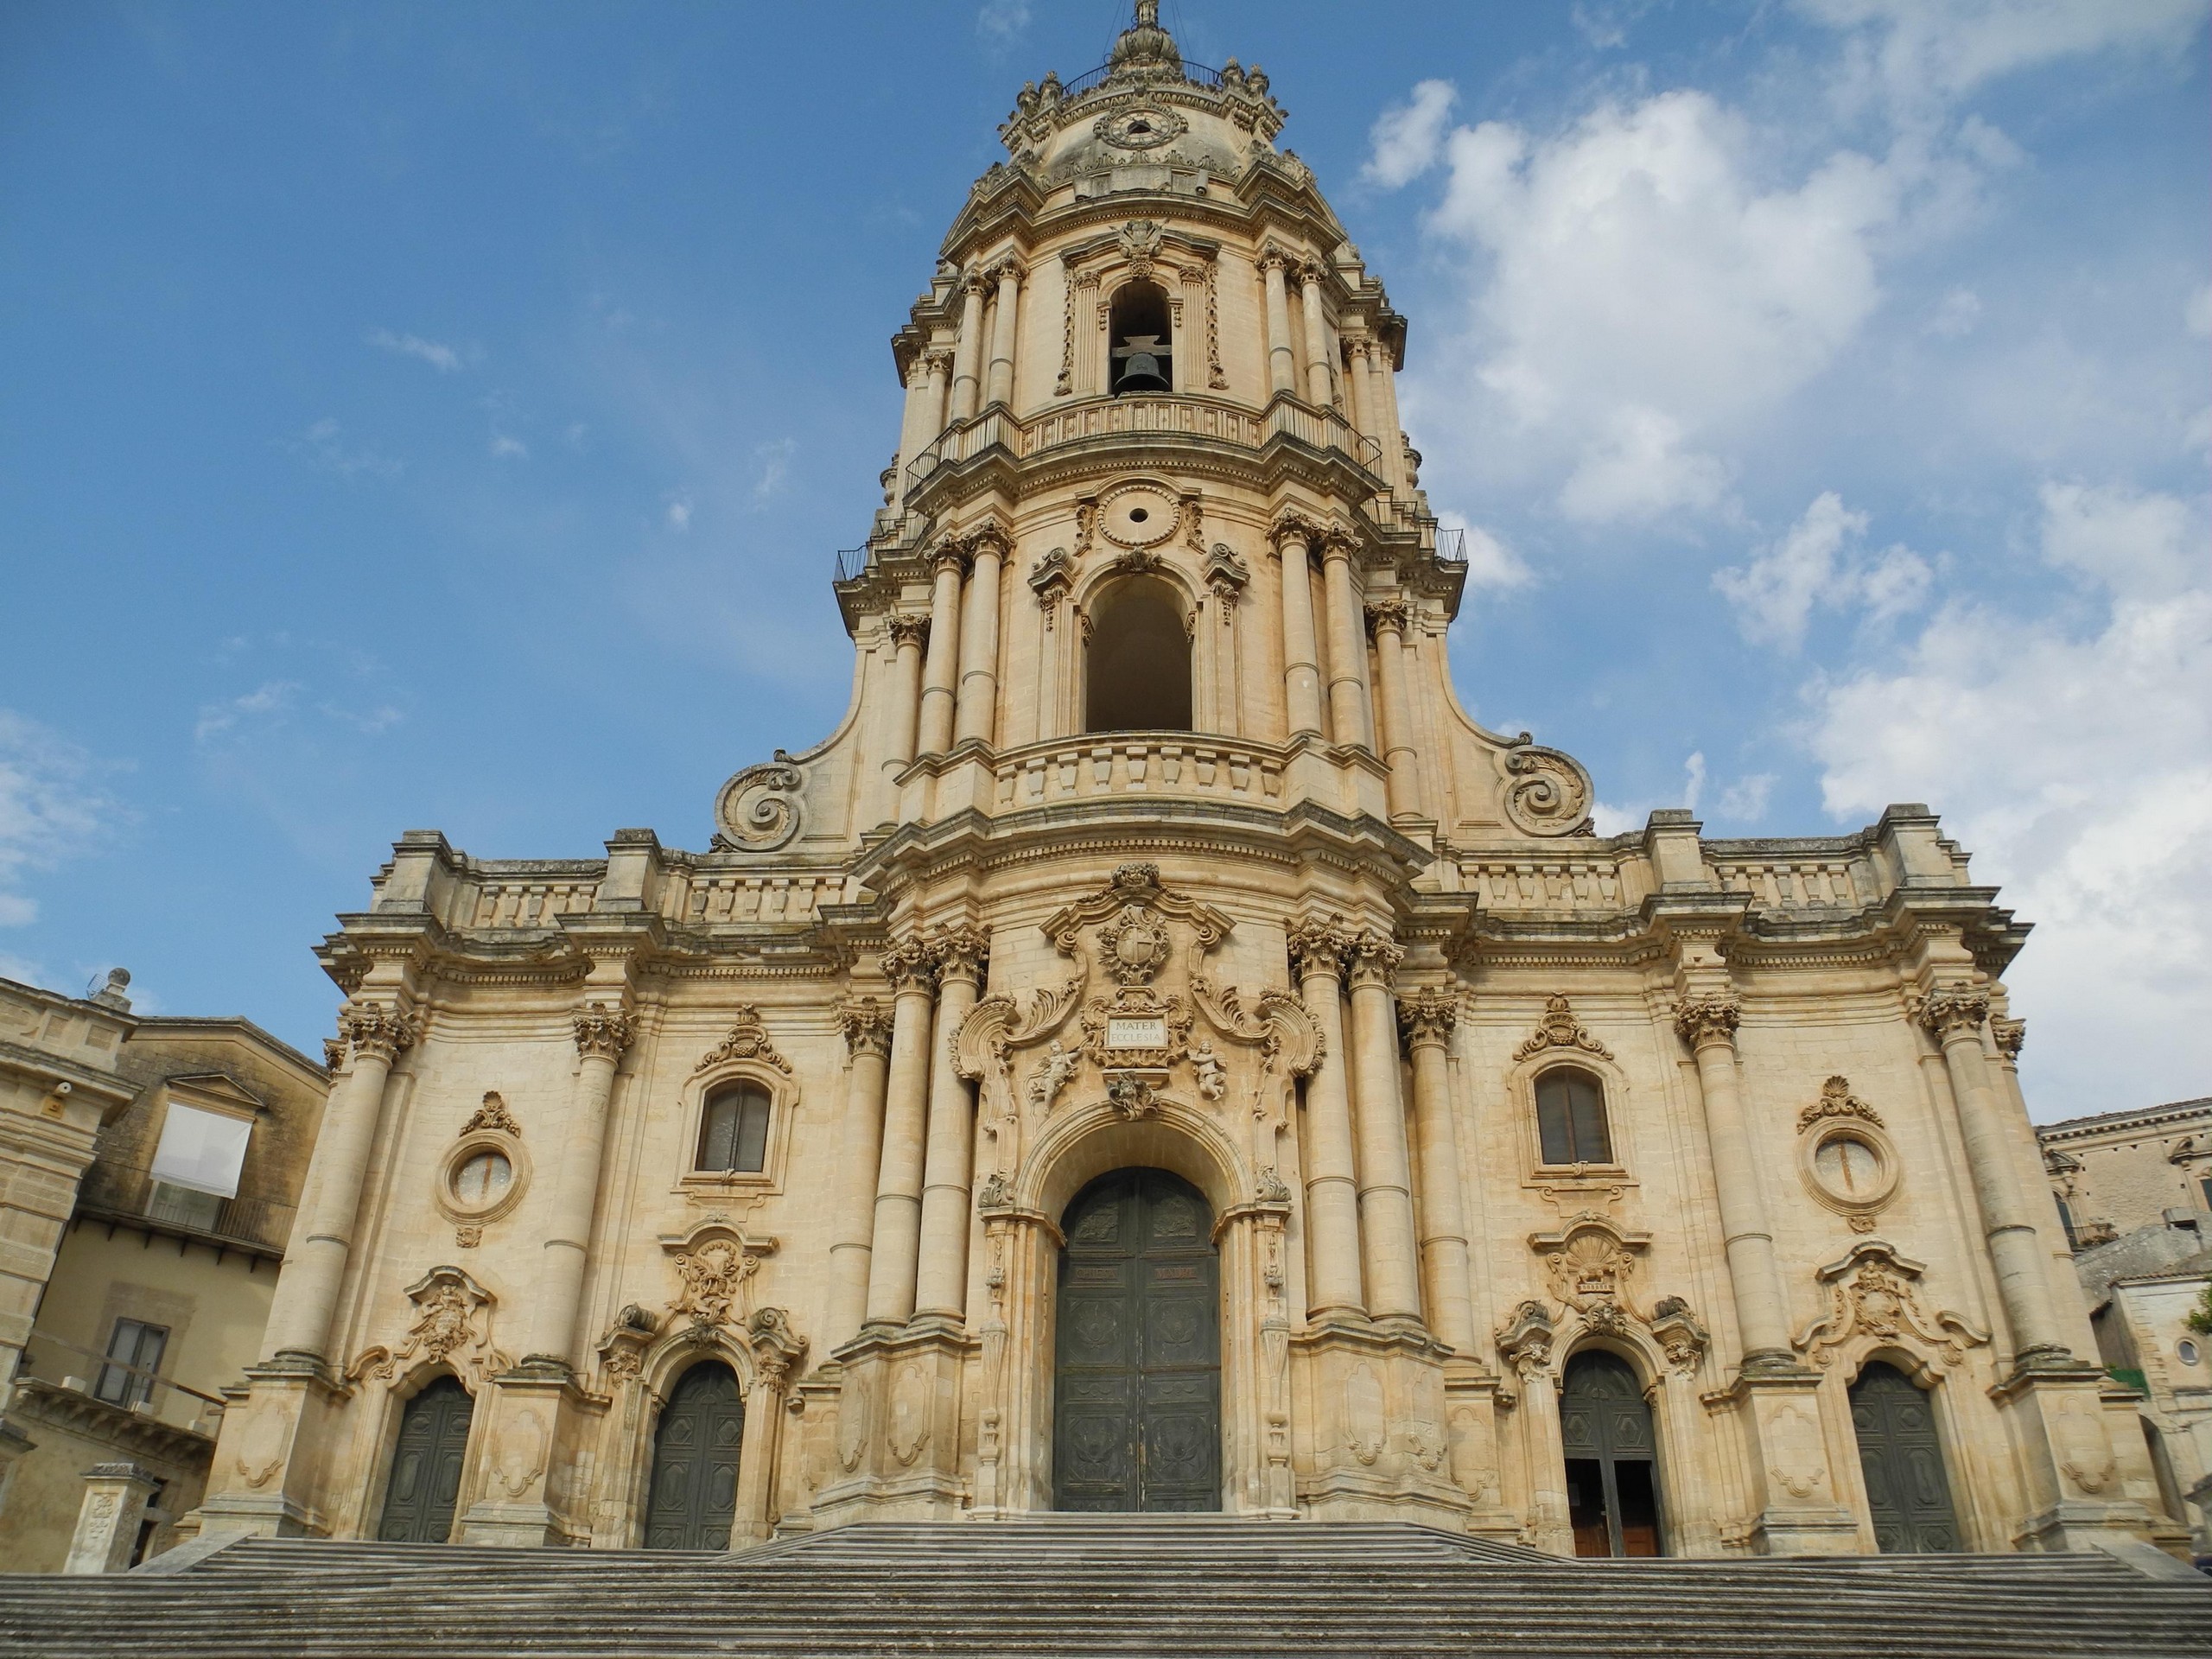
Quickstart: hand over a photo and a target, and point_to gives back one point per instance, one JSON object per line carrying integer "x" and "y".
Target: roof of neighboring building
{"x": 2143, "y": 1117}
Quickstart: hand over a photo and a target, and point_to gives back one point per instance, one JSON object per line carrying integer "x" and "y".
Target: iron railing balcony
{"x": 127, "y": 1192}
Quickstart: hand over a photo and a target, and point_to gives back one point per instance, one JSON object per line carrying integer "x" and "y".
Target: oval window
{"x": 482, "y": 1177}
{"x": 1849, "y": 1167}
{"x": 2189, "y": 1352}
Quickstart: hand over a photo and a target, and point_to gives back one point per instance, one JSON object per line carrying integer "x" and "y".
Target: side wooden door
{"x": 426, "y": 1466}
{"x": 1908, "y": 1492}
{"x": 693, "y": 1498}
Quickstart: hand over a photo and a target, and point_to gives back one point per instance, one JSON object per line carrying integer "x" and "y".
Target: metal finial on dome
{"x": 1145, "y": 45}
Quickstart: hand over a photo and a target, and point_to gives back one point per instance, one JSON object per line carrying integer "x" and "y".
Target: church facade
{"x": 1159, "y": 1052}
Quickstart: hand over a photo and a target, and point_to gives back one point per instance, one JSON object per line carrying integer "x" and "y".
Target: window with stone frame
{"x": 1571, "y": 1127}
{"x": 733, "y": 1130}
{"x": 134, "y": 1351}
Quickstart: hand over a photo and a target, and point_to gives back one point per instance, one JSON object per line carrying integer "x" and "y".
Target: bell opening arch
{"x": 1137, "y": 662}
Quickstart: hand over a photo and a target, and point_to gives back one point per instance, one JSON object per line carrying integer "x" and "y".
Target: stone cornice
{"x": 38, "y": 1400}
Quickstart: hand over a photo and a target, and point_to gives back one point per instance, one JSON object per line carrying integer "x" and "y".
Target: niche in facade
{"x": 1137, "y": 664}
{"x": 1142, "y": 336}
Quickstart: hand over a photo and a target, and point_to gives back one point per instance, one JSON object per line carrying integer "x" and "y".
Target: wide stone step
{"x": 1068, "y": 1587}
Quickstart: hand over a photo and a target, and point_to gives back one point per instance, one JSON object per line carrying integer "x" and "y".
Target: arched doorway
{"x": 1908, "y": 1494}
{"x": 1136, "y": 1394}
{"x": 426, "y": 1466}
{"x": 693, "y": 1498}
{"x": 1137, "y": 662}
{"x": 1612, "y": 1480}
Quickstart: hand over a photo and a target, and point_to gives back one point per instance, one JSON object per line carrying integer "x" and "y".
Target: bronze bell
{"x": 1144, "y": 366}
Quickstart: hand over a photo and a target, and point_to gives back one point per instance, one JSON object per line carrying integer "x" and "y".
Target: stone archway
{"x": 1137, "y": 1374}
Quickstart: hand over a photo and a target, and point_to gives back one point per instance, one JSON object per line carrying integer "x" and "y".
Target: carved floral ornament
{"x": 452, "y": 1326}
{"x": 371, "y": 1029}
{"x": 1837, "y": 1101}
{"x": 867, "y": 1025}
{"x": 1558, "y": 1028}
{"x": 602, "y": 1032}
{"x": 747, "y": 1042}
{"x": 1708, "y": 1018}
{"x": 1873, "y": 1292}
{"x": 1427, "y": 1016}
{"x": 1951, "y": 1012}
{"x": 763, "y": 807}
{"x": 715, "y": 1264}
{"x": 1591, "y": 1265}
{"x": 492, "y": 1116}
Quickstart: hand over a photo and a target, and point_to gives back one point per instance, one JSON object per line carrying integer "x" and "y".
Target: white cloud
{"x": 1693, "y": 779}
{"x": 443, "y": 358}
{"x": 1405, "y": 141}
{"x": 679, "y": 513}
{"x": 325, "y": 446}
{"x": 1958, "y": 312}
{"x": 2076, "y": 765}
{"x": 999, "y": 21}
{"x": 509, "y": 448}
{"x": 50, "y": 809}
{"x": 775, "y": 462}
{"x": 1744, "y": 801}
{"x": 1647, "y": 289}
{"x": 1491, "y": 562}
{"x": 1605, "y": 23}
{"x": 2196, "y": 315}
{"x": 1820, "y": 561}
{"x": 271, "y": 698}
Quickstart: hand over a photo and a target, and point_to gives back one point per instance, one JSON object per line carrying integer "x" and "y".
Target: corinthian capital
{"x": 2011, "y": 1036}
{"x": 602, "y": 1032}
{"x": 1952, "y": 1013}
{"x": 911, "y": 965}
{"x": 960, "y": 953}
{"x": 1389, "y": 616}
{"x": 1320, "y": 947}
{"x": 867, "y": 1025}
{"x": 1294, "y": 526}
{"x": 1374, "y": 959}
{"x": 1710, "y": 1018}
{"x": 909, "y": 629}
{"x": 1426, "y": 1016}
{"x": 374, "y": 1029}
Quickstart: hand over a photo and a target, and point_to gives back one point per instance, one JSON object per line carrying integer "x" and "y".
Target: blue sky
{"x": 447, "y": 416}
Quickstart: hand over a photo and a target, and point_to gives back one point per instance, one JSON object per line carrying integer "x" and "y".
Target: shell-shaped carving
{"x": 1546, "y": 793}
{"x": 761, "y": 809}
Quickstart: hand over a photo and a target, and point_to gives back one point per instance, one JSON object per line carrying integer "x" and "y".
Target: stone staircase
{"x": 1068, "y": 1586}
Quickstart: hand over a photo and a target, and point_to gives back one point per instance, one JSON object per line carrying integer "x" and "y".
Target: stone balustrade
{"x": 499, "y": 902}
{"x": 1125, "y": 763}
{"x": 1837, "y": 883}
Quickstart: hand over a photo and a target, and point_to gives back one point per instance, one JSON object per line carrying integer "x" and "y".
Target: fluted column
{"x": 1316, "y": 955}
{"x": 603, "y": 1033}
{"x": 1390, "y": 622}
{"x": 1301, "y": 671}
{"x": 934, "y": 734}
{"x": 902, "y": 707}
{"x": 941, "y": 1286}
{"x": 968, "y": 353}
{"x": 979, "y": 642}
{"x": 1426, "y": 1018}
{"x": 1955, "y": 1016}
{"x": 305, "y": 1296}
{"x": 1707, "y": 1024}
{"x": 895, "y": 1247}
{"x": 1349, "y": 720}
{"x": 1320, "y": 382}
{"x": 1388, "y": 1251}
{"x": 1001, "y": 387}
{"x": 1282, "y": 362}
{"x": 867, "y": 1025}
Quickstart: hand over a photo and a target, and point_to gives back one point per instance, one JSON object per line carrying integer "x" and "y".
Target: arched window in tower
{"x": 1143, "y": 337}
{"x": 1571, "y": 1125}
{"x": 1137, "y": 664}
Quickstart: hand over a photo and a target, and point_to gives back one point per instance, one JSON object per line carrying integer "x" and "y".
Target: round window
{"x": 1849, "y": 1167}
{"x": 2189, "y": 1352}
{"x": 481, "y": 1177}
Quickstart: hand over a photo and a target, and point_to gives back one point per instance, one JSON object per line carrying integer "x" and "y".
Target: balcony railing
{"x": 1092, "y": 79}
{"x": 1185, "y": 764}
{"x": 1450, "y": 546}
{"x": 73, "y": 1369}
{"x": 127, "y": 1192}
{"x": 852, "y": 563}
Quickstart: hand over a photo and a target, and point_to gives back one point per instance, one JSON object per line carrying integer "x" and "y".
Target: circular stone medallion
{"x": 1138, "y": 515}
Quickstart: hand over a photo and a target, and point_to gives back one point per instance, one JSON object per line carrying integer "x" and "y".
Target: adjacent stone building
{"x": 1159, "y": 1053}
{"x": 151, "y": 1169}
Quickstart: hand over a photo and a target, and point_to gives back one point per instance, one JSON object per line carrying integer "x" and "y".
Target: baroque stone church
{"x": 1159, "y": 1053}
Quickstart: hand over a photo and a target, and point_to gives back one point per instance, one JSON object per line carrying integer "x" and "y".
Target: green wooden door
{"x": 1907, "y": 1491}
{"x": 693, "y": 1498}
{"x": 1136, "y": 1420}
{"x": 426, "y": 1466}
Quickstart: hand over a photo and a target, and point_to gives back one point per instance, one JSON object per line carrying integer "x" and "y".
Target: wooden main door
{"x": 693, "y": 1498}
{"x": 426, "y": 1466}
{"x": 1612, "y": 1471}
{"x": 1136, "y": 1407}
{"x": 1908, "y": 1494}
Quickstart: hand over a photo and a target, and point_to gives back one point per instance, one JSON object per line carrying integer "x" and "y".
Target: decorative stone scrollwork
{"x": 1427, "y": 1016}
{"x": 715, "y": 1264}
{"x": 747, "y": 1041}
{"x": 1278, "y": 1023}
{"x": 1051, "y": 581}
{"x": 911, "y": 964}
{"x": 2011, "y": 1036}
{"x": 1526, "y": 1340}
{"x": 1679, "y": 1334}
{"x": 996, "y": 1192}
{"x": 452, "y": 1327}
{"x": 1137, "y": 946}
{"x": 762, "y": 808}
{"x": 492, "y": 1116}
{"x": 1873, "y": 1292}
{"x": 1948, "y": 1013}
{"x": 1374, "y": 959}
{"x": 1131, "y": 1095}
{"x": 1590, "y": 1263}
{"x": 622, "y": 1350}
{"x": 1227, "y": 575}
{"x": 1558, "y": 1028}
{"x": 776, "y": 1349}
{"x": 1137, "y": 884}
{"x": 867, "y": 1025}
{"x": 1546, "y": 793}
{"x": 1837, "y": 1101}
{"x": 1710, "y": 1019}
{"x": 369, "y": 1028}
{"x": 334, "y": 1053}
{"x": 602, "y": 1031}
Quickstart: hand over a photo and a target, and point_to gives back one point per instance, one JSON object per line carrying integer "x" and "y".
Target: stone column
{"x": 934, "y": 735}
{"x": 1362, "y": 394}
{"x": 941, "y": 1287}
{"x": 1426, "y": 1018}
{"x": 1527, "y": 1346}
{"x": 968, "y": 351}
{"x": 1386, "y": 1186}
{"x": 902, "y": 707}
{"x": 1707, "y": 1024}
{"x": 2067, "y": 1304}
{"x": 114, "y": 1508}
{"x": 1320, "y": 380}
{"x": 1282, "y": 362}
{"x": 1349, "y": 722}
{"x": 934, "y": 404}
{"x": 867, "y": 1025}
{"x": 603, "y": 1033}
{"x": 979, "y": 642}
{"x": 1390, "y": 622}
{"x": 1955, "y": 1016}
{"x": 1001, "y": 388}
{"x": 896, "y": 1245}
{"x": 914, "y": 430}
{"x": 1393, "y": 435}
{"x": 1301, "y": 671}
{"x": 1317, "y": 957}
{"x": 307, "y": 1289}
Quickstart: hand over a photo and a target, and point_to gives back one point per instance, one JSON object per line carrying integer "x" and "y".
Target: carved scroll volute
{"x": 762, "y": 808}
{"x": 982, "y": 1049}
{"x": 1545, "y": 792}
